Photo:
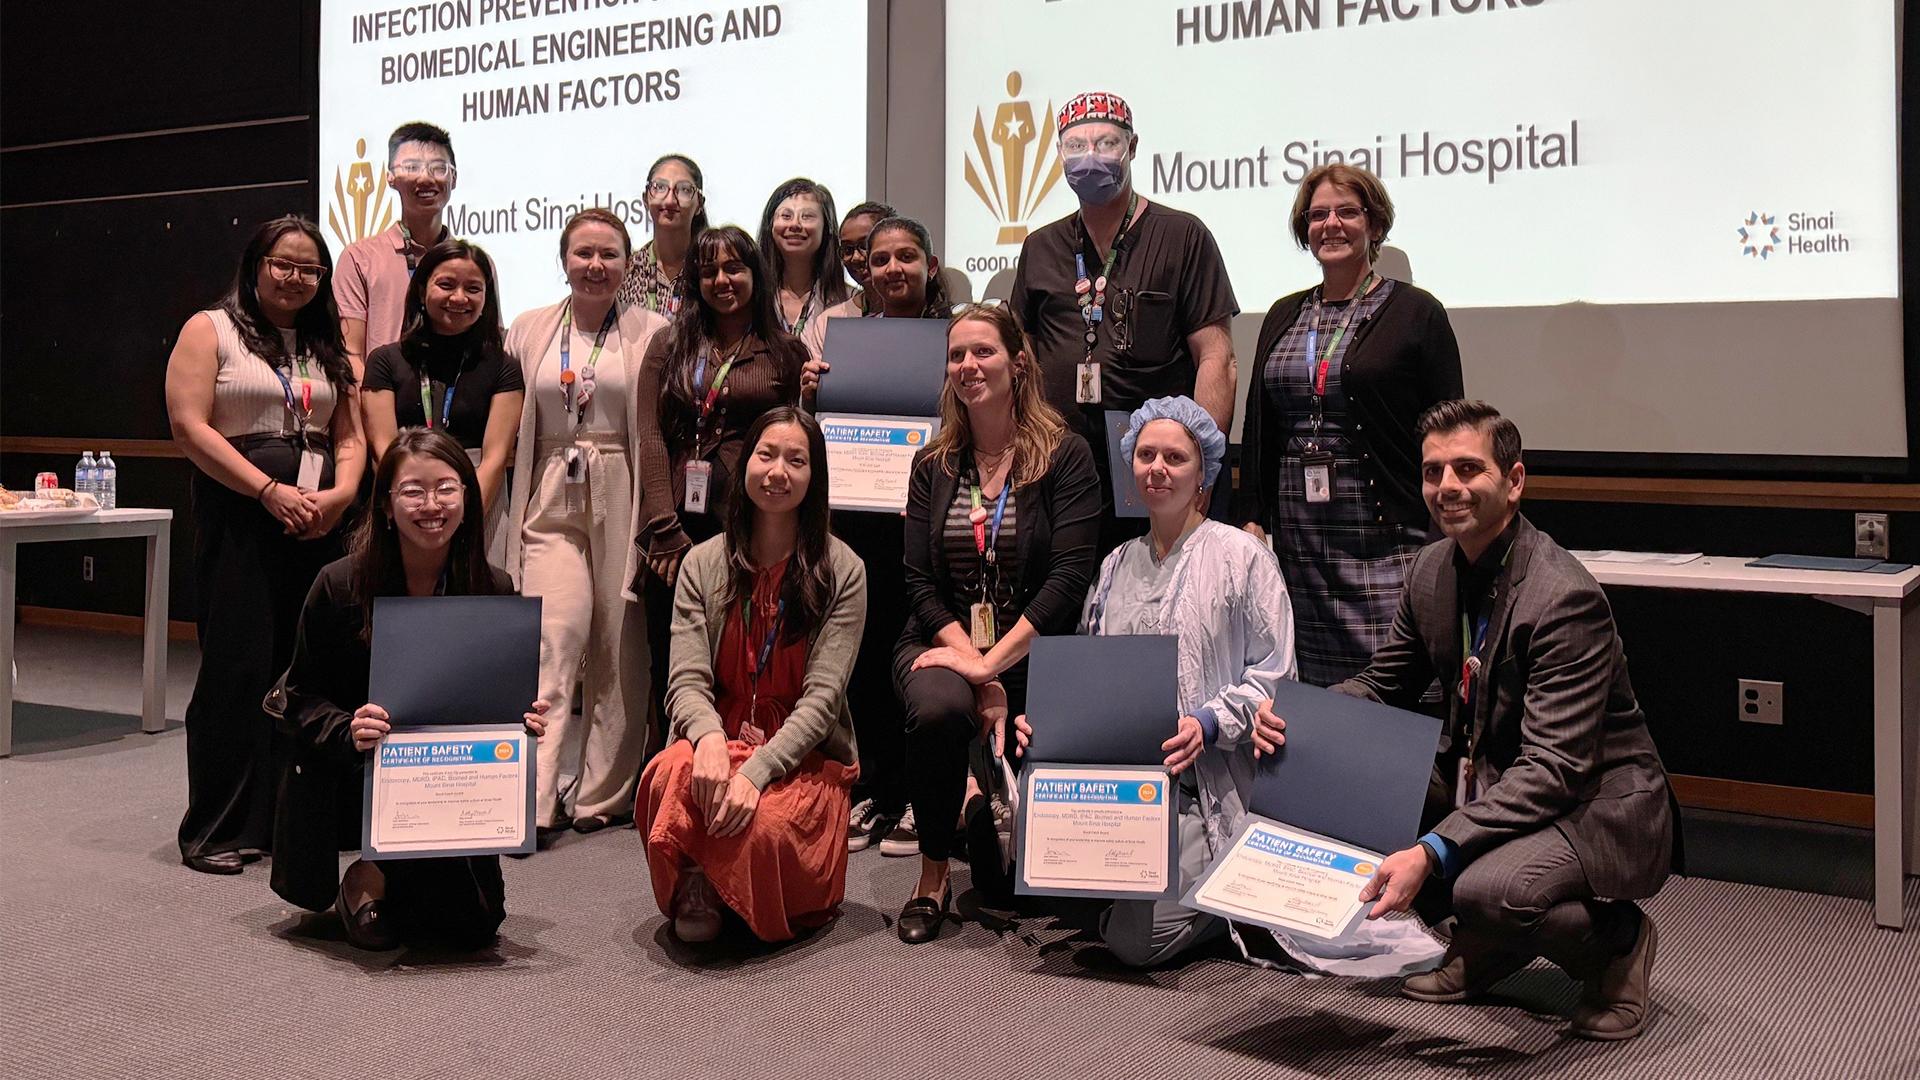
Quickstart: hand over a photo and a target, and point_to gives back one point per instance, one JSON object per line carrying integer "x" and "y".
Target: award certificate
{"x": 1286, "y": 880}
{"x": 1097, "y": 831}
{"x": 870, "y": 459}
{"x": 449, "y": 791}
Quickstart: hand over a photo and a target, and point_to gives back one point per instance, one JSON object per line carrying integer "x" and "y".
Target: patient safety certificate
{"x": 1286, "y": 880}
{"x": 450, "y": 791}
{"x": 870, "y": 459}
{"x": 1098, "y": 831}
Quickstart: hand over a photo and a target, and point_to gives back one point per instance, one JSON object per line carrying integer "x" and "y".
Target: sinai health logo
{"x": 1764, "y": 236}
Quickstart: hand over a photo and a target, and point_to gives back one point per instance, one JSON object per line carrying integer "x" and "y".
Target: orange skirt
{"x": 785, "y": 872}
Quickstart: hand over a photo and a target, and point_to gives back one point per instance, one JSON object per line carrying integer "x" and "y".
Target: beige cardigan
{"x": 527, "y": 341}
{"x": 820, "y": 719}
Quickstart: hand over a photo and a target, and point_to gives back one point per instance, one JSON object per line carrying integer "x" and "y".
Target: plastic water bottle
{"x": 86, "y": 475}
{"x": 107, "y": 490}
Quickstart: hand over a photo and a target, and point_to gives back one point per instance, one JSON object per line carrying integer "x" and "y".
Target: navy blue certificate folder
{"x": 1351, "y": 769}
{"x": 1102, "y": 700}
{"x": 883, "y": 367}
{"x": 441, "y": 660}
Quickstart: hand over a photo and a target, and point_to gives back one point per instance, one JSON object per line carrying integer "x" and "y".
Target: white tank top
{"x": 247, "y": 397}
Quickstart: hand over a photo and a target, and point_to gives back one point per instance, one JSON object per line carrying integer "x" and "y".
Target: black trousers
{"x": 656, "y": 596}
{"x": 458, "y": 901}
{"x": 250, "y": 582}
{"x": 879, "y": 732}
{"x": 1530, "y": 896}
{"x": 942, "y": 741}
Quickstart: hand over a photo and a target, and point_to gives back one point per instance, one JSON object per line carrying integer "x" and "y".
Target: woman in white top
{"x": 252, "y": 389}
{"x": 802, "y": 251}
{"x": 1219, "y": 591}
{"x": 575, "y": 495}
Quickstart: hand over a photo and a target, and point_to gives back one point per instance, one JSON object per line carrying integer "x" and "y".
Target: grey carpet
{"x": 116, "y": 961}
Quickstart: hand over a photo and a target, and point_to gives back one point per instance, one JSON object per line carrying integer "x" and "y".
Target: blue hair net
{"x": 1188, "y": 414}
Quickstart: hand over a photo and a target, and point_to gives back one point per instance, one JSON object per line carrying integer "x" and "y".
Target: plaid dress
{"x": 1344, "y": 567}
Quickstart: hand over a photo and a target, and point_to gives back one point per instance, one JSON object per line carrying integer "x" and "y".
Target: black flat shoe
{"x": 593, "y": 823}
{"x": 367, "y": 927}
{"x": 920, "y": 920}
{"x": 220, "y": 862}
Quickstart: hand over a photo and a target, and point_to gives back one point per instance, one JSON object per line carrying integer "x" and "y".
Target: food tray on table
{"x": 40, "y": 507}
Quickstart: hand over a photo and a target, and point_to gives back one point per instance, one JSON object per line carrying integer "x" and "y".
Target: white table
{"x": 156, "y": 526}
{"x": 1893, "y": 602}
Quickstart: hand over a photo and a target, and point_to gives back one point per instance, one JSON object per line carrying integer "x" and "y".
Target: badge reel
{"x": 1317, "y": 472}
{"x": 699, "y": 479}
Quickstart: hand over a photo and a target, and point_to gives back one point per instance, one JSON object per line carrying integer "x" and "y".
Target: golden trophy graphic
{"x": 1013, "y": 191}
{"x": 360, "y": 204}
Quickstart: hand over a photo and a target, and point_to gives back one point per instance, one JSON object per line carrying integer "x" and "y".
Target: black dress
{"x": 459, "y": 900}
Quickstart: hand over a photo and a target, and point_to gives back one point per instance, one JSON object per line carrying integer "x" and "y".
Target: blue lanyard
{"x": 982, "y": 541}
{"x": 766, "y": 647}
{"x": 303, "y": 418}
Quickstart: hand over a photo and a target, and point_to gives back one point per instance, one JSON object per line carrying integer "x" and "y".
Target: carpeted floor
{"x": 115, "y": 961}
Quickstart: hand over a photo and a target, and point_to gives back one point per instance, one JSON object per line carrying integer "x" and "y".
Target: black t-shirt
{"x": 475, "y": 373}
{"x": 1167, "y": 282}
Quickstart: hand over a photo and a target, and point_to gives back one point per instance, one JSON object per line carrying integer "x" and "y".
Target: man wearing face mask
{"x": 1126, "y": 300}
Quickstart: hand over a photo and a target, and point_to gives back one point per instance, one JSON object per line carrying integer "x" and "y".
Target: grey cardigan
{"x": 820, "y": 719}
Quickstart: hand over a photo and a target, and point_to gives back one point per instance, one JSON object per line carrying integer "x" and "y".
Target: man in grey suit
{"x": 1547, "y": 793}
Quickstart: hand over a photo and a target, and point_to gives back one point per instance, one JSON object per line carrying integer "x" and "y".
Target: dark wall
{"x": 111, "y": 243}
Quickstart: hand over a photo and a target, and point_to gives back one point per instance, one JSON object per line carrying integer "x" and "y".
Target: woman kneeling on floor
{"x": 747, "y": 807}
{"x": 423, "y": 535}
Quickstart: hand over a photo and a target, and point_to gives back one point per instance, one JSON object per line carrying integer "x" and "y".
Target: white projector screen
{"x": 555, "y": 105}
{"x": 1666, "y": 228}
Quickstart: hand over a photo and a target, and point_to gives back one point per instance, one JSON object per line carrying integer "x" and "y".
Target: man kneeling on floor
{"x": 1547, "y": 793}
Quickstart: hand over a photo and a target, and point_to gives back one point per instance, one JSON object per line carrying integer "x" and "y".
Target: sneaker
{"x": 904, "y": 839}
{"x": 1003, "y": 825}
{"x": 860, "y": 825}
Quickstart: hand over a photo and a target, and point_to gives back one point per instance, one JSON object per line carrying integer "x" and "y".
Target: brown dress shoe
{"x": 1464, "y": 975}
{"x": 1615, "y": 1003}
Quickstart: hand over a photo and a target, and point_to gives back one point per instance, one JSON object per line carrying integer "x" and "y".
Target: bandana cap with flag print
{"x": 1102, "y": 107}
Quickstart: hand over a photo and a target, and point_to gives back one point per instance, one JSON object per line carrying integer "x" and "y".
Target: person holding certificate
{"x": 1219, "y": 592}
{"x": 723, "y": 365}
{"x": 1003, "y": 513}
{"x": 744, "y": 810}
{"x": 576, "y": 505}
{"x": 422, "y": 536}
{"x": 903, "y": 282}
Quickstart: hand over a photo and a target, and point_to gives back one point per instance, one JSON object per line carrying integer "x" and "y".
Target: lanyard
{"x": 981, "y": 541}
{"x": 713, "y": 392}
{"x": 412, "y": 251}
{"x": 426, "y": 398}
{"x": 759, "y": 663}
{"x": 1333, "y": 343}
{"x": 1092, "y": 293}
{"x": 566, "y": 359}
{"x": 1473, "y": 638}
{"x": 806, "y": 311}
{"x": 303, "y": 412}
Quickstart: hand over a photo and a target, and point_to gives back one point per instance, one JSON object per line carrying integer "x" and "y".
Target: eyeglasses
{"x": 287, "y": 270}
{"x": 1349, "y": 214}
{"x": 804, "y": 217}
{"x": 682, "y": 191}
{"x": 971, "y": 305}
{"x": 413, "y": 496}
{"x": 414, "y": 167}
{"x": 1107, "y": 146}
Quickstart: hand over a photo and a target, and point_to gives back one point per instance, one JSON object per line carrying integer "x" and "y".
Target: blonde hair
{"x": 1038, "y": 427}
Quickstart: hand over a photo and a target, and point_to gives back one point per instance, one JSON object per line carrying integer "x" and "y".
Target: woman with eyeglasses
{"x": 260, "y": 399}
{"x": 576, "y": 505}
{"x": 743, "y": 809}
{"x": 657, "y": 279}
{"x": 802, "y": 251}
{"x": 903, "y": 282}
{"x": 421, "y": 536}
{"x": 725, "y": 361}
{"x": 1003, "y": 512}
{"x": 1329, "y": 465}
{"x": 450, "y": 372}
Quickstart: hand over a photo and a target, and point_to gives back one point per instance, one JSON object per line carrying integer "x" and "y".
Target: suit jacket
{"x": 1557, "y": 736}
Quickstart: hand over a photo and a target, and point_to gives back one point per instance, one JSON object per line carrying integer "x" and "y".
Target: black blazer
{"x": 1403, "y": 360}
{"x": 318, "y": 811}
{"x": 1558, "y": 737}
{"x": 1059, "y": 530}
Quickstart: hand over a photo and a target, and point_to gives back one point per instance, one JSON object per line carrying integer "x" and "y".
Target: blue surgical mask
{"x": 1096, "y": 180}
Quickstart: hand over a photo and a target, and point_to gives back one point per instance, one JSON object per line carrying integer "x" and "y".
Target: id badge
{"x": 699, "y": 478}
{"x": 310, "y": 465}
{"x": 982, "y": 632}
{"x": 1318, "y": 476}
{"x": 1086, "y": 386}
{"x": 1463, "y": 783}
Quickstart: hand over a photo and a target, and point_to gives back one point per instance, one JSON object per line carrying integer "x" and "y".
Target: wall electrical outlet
{"x": 86, "y": 568}
{"x": 1761, "y": 702}
{"x": 1870, "y": 539}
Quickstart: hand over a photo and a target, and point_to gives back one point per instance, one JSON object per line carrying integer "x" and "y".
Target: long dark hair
{"x": 316, "y": 327}
{"x": 375, "y": 549}
{"x": 829, "y": 277}
{"x": 697, "y": 325}
{"x": 808, "y": 586}
{"x": 937, "y": 305}
{"x": 485, "y": 334}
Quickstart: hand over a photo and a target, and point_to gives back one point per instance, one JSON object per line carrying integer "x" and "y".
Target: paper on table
{"x": 1644, "y": 558}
